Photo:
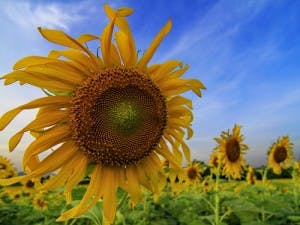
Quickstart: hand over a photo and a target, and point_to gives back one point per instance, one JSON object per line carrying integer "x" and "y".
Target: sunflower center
{"x": 192, "y": 173}
{"x": 41, "y": 203}
{"x": 118, "y": 116}
{"x": 2, "y": 166}
{"x": 233, "y": 150}
{"x": 29, "y": 184}
{"x": 280, "y": 154}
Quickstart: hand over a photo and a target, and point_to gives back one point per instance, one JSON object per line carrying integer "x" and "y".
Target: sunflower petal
{"x": 133, "y": 184}
{"x": 49, "y": 139}
{"x": 109, "y": 185}
{"x": 75, "y": 178}
{"x": 45, "y": 101}
{"x": 60, "y": 156}
{"x": 154, "y": 45}
{"x": 92, "y": 195}
{"x": 40, "y": 122}
{"x": 83, "y": 38}
{"x": 59, "y": 37}
{"x": 34, "y": 60}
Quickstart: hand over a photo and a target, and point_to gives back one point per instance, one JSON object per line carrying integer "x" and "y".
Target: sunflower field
{"x": 109, "y": 144}
{"x": 250, "y": 200}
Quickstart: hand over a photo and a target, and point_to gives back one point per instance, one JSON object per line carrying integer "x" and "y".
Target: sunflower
{"x": 193, "y": 173}
{"x": 281, "y": 155}
{"x": 7, "y": 169}
{"x": 231, "y": 152}
{"x": 213, "y": 162}
{"x": 39, "y": 202}
{"x": 251, "y": 177}
{"x": 114, "y": 114}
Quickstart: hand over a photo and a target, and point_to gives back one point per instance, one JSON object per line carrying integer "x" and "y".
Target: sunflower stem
{"x": 295, "y": 191}
{"x": 264, "y": 179}
{"x": 122, "y": 200}
{"x": 217, "y": 197}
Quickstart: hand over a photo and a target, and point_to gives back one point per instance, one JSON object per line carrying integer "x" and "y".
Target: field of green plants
{"x": 274, "y": 200}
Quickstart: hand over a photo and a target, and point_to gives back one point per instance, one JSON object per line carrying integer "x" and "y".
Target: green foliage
{"x": 240, "y": 204}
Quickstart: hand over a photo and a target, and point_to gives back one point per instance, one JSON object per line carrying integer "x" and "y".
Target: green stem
{"x": 295, "y": 191}
{"x": 122, "y": 200}
{"x": 217, "y": 197}
{"x": 264, "y": 179}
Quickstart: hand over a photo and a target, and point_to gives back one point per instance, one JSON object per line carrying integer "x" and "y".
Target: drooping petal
{"x": 49, "y": 139}
{"x": 92, "y": 195}
{"x": 40, "y": 122}
{"x": 75, "y": 178}
{"x": 59, "y": 37}
{"x": 109, "y": 187}
{"x": 40, "y": 102}
{"x": 154, "y": 45}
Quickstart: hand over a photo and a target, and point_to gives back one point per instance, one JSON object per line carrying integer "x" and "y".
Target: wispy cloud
{"x": 28, "y": 15}
{"x": 222, "y": 21}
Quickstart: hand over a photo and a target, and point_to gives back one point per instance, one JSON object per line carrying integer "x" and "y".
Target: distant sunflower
{"x": 281, "y": 155}
{"x": 7, "y": 169}
{"x": 231, "y": 152}
{"x": 115, "y": 112}
{"x": 193, "y": 173}
{"x": 39, "y": 202}
{"x": 213, "y": 162}
{"x": 251, "y": 177}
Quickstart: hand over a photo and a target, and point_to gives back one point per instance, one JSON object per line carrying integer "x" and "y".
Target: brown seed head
{"x": 233, "y": 150}
{"x": 118, "y": 116}
{"x": 280, "y": 154}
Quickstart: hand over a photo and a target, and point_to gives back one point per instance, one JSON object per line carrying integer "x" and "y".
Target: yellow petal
{"x": 106, "y": 43}
{"x": 49, "y": 139}
{"x": 32, "y": 164}
{"x": 133, "y": 184}
{"x": 8, "y": 117}
{"x": 83, "y": 38}
{"x": 59, "y": 37}
{"x": 154, "y": 45}
{"x": 34, "y": 60}
{"x": 40, "y": 122}
{"x": 165, "y": 69}
{"x": 75, "y": 178}
{"x": 62, "y": 72}
{"x": 10, "y": 181}
{"x": 126, "y": 48}
{"x": 56, "y": 159}
{"x": 164, "y": 151}
{"x": 92, "y": 195}
{"x": 40, "y": 102}
{"x": 64, "y": 173}
{"x": 109, "y": 185}
{"x": 39, "y": 80}
{"x": 179, "y": 100}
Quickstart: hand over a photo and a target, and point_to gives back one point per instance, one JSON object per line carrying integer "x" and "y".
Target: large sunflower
{"x": 231, "y": 152}
{"x": 113, "y": 113}
{"x": 7, "y": 169}
{"x": 281, "y": 155}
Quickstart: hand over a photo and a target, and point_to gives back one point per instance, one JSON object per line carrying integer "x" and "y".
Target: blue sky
{"x": 245, "y": 52}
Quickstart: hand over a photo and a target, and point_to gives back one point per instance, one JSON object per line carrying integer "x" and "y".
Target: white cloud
{"x": 219, "y": 23}
{"x": 28, "y": 15}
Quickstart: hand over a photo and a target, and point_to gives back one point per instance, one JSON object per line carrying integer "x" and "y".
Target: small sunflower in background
{"x": 251, "y": 177}
{"x": 281, "y": 155}
{"x": 31, "y": 186}
{"x": 115, "y": 113}
{"x": 231, "y": 150}
{"x": 193, "y": 173}
{"x": 7, "y": 168}
{"x": 213, "y": 162}
{"x": 39, "y": 202}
